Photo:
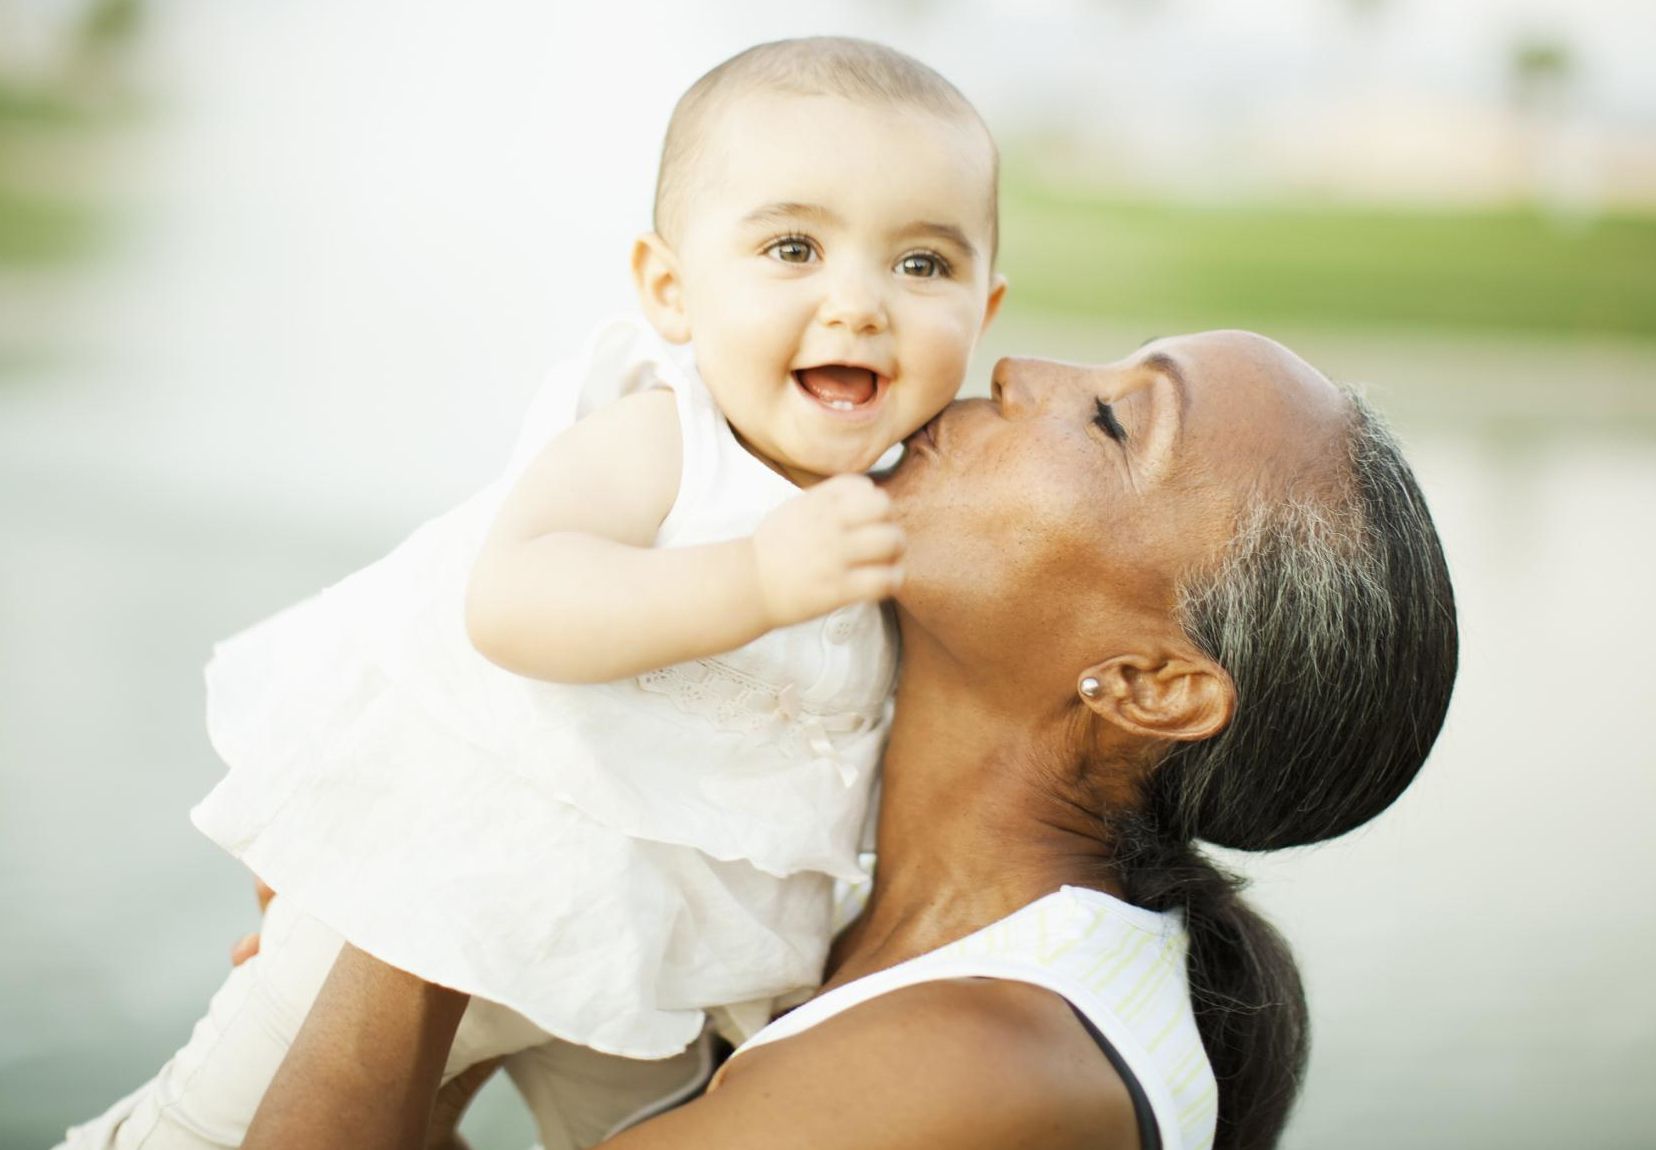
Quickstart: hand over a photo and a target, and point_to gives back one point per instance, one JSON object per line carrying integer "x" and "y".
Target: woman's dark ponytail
{"x": 1244, "y": 987}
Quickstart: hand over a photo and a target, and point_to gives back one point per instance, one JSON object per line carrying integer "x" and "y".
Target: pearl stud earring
{"x": 1091, "y": 688}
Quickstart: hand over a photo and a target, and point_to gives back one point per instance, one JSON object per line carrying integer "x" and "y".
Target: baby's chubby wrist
{"x": 768, "y": 590}
{"x": 827, "y": 547}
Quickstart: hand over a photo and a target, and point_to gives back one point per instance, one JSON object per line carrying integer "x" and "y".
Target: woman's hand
{"x": 452, "y": 1100}
{"x": 247, "y": 945}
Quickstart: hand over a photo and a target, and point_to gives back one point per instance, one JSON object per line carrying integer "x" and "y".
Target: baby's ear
{"x": 660, "y": 290}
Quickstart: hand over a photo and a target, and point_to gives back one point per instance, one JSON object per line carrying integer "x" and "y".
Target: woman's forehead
{"x": 1245, "y": 397}
{"x": 1236, "y": 359}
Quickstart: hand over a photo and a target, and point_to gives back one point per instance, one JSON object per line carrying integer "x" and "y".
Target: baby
{"x": 593, "y": 746}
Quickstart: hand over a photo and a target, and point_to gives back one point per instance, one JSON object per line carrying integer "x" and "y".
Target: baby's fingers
{"x": 874, "y": 543}
{"x": 856, "y": 499}
{"x": 873, "y": 582}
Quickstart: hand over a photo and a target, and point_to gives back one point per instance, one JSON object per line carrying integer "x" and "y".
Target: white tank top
{"x": 1121, "y": 966}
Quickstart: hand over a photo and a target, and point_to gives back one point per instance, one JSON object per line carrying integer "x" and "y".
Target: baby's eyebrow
{"x": 953, "y": 233}
{"x": 790, "y": 211}
{"x": 781, "y": 213}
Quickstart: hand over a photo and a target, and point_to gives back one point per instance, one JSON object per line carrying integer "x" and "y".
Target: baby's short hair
{"x": 858, "y": 70}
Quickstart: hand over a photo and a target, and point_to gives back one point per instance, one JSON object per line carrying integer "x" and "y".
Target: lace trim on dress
{"x": 733, "y": 700}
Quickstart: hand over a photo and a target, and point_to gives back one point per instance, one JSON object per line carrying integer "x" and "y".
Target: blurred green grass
{"x": 1180, "y": 266}
{"x": 58, "y": 179}
{"x": 1072, "y": 251}
{"x": 37, "y": 230}
{"x": 42, "y": 223}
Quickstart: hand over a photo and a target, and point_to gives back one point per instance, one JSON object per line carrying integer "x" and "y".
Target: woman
{"x": 1193, "y": 595}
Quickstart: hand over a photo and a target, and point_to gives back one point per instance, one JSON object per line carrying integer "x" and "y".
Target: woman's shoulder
{"x": 969, "y": 1062}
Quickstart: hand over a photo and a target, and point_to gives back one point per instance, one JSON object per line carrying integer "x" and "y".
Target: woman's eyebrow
{"x": 1165, "y": 365}
{"x": 1165, "y": 426}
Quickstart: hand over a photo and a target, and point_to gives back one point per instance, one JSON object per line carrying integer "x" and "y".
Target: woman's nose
{"x": 1014, "y": 386}
{"x": 1022, "y": 386}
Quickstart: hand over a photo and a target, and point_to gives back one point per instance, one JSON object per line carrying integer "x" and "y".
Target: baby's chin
{"x": 873, "y": 459}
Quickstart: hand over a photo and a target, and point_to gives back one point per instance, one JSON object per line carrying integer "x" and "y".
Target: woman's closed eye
{"x": 1104, "y": 417}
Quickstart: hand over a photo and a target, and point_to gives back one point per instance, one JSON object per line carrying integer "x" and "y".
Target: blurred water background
{"x": 275, "y": 281}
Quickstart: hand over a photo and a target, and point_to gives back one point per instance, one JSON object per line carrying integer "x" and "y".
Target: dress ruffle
{"x": 294, "y": 697}
{"x": 597, "y": 937}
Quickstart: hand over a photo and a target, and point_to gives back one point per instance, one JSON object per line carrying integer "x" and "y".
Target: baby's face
{"x": 835, "y": 267}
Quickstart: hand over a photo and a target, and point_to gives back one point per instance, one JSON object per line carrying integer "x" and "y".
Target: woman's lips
{"x": 926, "y": 438}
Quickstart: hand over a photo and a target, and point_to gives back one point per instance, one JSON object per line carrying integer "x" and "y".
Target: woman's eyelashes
{"x": 1104, "y": 417}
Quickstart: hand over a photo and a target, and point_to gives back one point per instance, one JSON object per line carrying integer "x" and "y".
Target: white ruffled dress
{"x": 608, "y": 860}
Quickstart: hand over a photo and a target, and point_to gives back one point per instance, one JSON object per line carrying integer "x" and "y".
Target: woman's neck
{"x": 980, "y": 815}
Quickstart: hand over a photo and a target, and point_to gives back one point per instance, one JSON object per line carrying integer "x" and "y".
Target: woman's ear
{"x": 660, "y": 290}
{"x": 1182, "y": 698}
{"x": 997, "y": 296}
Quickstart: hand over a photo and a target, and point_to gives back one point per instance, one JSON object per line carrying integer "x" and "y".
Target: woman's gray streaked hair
{"x": 1335, "y": 619}
{"x": 1333, "y": 613}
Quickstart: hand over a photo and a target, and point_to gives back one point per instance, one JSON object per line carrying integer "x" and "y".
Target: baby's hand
{"x": 832, "y": 545}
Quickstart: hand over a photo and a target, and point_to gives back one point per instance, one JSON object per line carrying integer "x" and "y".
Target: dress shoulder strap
{"x": 723, "y": 487}
{"x": 620, "y": 357}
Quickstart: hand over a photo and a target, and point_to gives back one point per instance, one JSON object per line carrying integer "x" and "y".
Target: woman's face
{"x": 1053, "y": 521}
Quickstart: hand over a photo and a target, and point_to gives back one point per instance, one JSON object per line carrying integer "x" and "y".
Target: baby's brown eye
{"x": 923, "y": 265}
{"x": 792, "y": 250}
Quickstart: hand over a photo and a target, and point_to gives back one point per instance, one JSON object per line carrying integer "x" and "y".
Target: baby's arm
{"x": 569, "y": 588}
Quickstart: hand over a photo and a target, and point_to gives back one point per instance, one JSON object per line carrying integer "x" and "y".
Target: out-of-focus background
{"x": 275, "y": 281}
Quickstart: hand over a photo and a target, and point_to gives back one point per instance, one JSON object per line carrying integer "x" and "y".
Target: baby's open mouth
{"x": 838, "y": 386}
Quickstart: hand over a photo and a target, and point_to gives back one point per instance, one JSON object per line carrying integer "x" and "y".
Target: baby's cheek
{"x": 747, "y": 347}
{"x": 952, "y": 341}
{"x": 949, "y": 365}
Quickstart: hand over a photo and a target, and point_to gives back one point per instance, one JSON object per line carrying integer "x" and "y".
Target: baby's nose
{"x": 854, "y": 301}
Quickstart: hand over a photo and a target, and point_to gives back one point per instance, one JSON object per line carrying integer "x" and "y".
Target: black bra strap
{"x": 1149, "y": 1132}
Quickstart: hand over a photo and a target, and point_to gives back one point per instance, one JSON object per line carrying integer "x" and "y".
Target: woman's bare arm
{"x": 969, "y": 1064}
{"x": 366, "y": 1065}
